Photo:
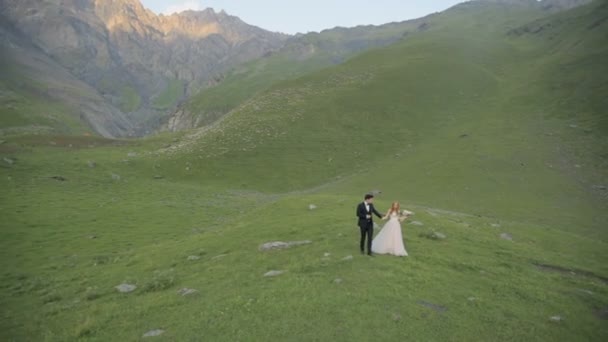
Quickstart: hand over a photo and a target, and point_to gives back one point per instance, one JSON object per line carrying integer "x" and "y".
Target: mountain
{"x": 303, "y": 54}
{"x": 455, "y": 109}
{"x": 140, "y": 63}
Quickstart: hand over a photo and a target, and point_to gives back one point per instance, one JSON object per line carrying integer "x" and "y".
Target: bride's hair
{"x": 394, "y": 208}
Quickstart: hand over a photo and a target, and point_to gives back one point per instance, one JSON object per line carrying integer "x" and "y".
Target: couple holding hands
{"x": 389, "y": 240}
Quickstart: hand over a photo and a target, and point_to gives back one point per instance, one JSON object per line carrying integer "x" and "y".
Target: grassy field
{"x": 472, "y": 129}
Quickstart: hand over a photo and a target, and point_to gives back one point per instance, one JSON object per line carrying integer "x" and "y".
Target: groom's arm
{"x": 376, "y": 212}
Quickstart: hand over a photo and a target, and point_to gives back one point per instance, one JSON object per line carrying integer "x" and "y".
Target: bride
{"x": 389, "y": 239}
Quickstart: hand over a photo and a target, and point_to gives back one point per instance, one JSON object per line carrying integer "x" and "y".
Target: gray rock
{"x": 347, "y": 258}
{"x": 396, "y": 317}
{"x": 472, "y": 299}
{"x": 219, "y": 256}
{"x": 436, "y": 307}
{"x": 556, "y": 318}
{"x": 327, "y": 255}
{"x": 115, "y": 177}
{"x": 152, "y": 333}
{"x": 9, "y": 161}
{"x": 506, "y": 236}
{"x": 132, "y": 154}
{"x": 417, "y": 223}
{"x": 125, "y": 288}
{"x": 193, "y": 257}
{"x": 600, "y": 187}
{"x": 273, "y": 273}
{"x": 282, "y": 245}
{"x": 338, "y": 280}
{"x": 495, "y": 225}
{"x": 312, "y": 207}
{"x": 91, "y": 164}
{"x": 434, "y": 236}
{"x": 186, "y": 291}
{"x": 375, "y": 192}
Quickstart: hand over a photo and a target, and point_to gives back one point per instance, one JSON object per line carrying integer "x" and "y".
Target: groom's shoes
{"x": 370, "y": 254}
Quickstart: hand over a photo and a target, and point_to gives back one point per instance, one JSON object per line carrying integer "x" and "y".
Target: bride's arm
{"x": 387, "y": 213}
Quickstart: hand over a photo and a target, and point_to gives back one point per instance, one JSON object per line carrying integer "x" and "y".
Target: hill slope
{"x": 300, "y": 55}
{"x": 468, "y": 100}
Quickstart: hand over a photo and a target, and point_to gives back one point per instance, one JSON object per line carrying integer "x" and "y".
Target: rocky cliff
{"x": 141, "y": 63}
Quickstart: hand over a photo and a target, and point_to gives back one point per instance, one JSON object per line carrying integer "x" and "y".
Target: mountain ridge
{"x": 133, "y": 56}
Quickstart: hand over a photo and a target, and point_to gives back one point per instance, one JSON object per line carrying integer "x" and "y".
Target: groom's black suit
{"x": 366, "y": 224}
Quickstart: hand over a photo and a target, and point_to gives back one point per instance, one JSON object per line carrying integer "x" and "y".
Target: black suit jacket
{"x": 362, "y": 213}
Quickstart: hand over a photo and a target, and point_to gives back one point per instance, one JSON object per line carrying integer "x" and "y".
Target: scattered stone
{"x": 432, "y": 213}
{"x": 375, "y": 192}
{"x": 471, "y": 299}
{"x": 600, "y": 187}
{"x": 434, "y": 236}
{"x": 115, "y": 177}
{"x": 152, "y": 333}
{"x": 218, "y": 256}
{"x": 556, "y": 318}
{"x": 347, "y": 258}
{"x": 9, "y": 161}
{"x": 282, "y": 245}
{"x": 132, "y": 154}
{"x": 186, "y": 291}
{"x": 495, "y": 225}
{"x": 91, "y": 164}
{"x": 417, "y": 223}
{"x": 59, "y": 178}
{"x": 326, "y": 254}
{"x": 92, "y": 237}
{"x": 193, "y": 257}
{"x": 273, "y": 273}
{"x": 573, "y": 126}
{"x": 338, "y": 280}
{"x": 312, "y": 207}
{"x": 506, "y": 236}
{"x": 436, "y": 307}
{"x": 159, "y": 177}
{"x": 577, "y": 166}
{"x": 125, "y": 288}
{"x": 585, "y": 291}
{"x": 396, "y": 317}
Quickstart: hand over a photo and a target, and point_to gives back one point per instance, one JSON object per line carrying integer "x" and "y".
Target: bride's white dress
{"x": 389, "y": 240}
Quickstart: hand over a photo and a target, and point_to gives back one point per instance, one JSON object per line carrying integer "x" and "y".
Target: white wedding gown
{"x": 389, "y": 240}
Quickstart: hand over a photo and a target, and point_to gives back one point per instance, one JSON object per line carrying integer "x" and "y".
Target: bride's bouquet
{"x": 406, "y": 213}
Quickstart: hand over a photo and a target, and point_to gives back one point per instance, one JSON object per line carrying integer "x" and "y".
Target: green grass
{"x": 468, "y": 128}
{"x": 169, "y": 97}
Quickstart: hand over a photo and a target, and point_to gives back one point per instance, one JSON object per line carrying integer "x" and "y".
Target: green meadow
{"x": 491, "y": 130}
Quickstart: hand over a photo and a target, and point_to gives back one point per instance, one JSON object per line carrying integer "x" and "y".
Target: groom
{"x": 366, "y": 224}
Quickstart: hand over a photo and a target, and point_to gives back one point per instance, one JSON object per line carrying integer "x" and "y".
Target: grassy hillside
{"x": 301, "y": 55}
{"x": 468, "y": 125}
